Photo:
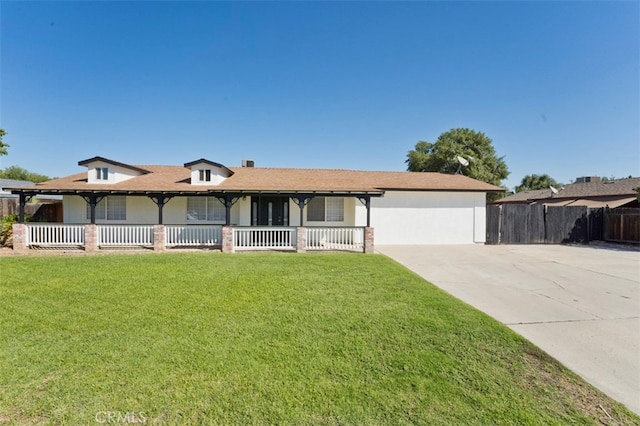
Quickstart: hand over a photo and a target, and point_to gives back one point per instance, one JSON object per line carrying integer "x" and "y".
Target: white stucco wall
{"x": 407, "y": 217}
{"x": 400, "y": 217}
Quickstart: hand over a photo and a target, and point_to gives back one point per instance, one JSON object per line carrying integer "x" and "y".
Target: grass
{"x": 202, "y": 338}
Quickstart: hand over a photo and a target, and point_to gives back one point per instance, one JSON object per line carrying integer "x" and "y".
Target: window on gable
{"x": 325, "y": 209}
{"x": 205, "y": 175}
{"x": 102, "y": 173}
{"x": 113, "y": 207}
{"x": 205, "y": 208}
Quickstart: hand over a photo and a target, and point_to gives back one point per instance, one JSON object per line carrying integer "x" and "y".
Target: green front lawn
{"x": 208, "y": 338}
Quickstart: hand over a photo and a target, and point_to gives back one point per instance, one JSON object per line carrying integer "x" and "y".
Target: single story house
{"x": 402, "y": 207}
{"x": 589, "y": 191}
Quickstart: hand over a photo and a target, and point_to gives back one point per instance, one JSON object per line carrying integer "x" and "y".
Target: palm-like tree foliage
{"x": 533, "y": 182}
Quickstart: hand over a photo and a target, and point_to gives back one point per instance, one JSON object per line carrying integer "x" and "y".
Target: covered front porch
{"x": 228, "y": 221}
{"x": 227, "y": 238}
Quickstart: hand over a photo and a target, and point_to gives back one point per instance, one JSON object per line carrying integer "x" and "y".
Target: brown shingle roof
{"x": 602, "y": 188}
{"x": 257, "y": 179}
{"x": 624, "y": 188}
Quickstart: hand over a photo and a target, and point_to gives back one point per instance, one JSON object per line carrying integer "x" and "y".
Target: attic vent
{"x": 247, "y": 163}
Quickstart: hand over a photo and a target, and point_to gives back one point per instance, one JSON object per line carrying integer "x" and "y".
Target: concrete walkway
{"x": 580, "y": 304}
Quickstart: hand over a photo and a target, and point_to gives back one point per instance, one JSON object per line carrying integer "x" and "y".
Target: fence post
{"x": 227, "y": 239}
{"x": 20, "y": 238}
{"x": 368, "y": 239}
{"x": 301, "y": 239}
{"x": 159, "y": 237}
{"x": 90, "y": 238}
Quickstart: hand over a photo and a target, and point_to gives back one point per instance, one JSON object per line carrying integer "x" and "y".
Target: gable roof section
{"x": 115, "y": 163}
{"x": 211, "y": 163}
{"x": 252, "y": 180}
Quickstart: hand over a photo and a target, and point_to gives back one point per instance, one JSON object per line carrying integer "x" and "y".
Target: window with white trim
{"x": 102, "y": 173}
{"x": 205, "y": 208}
{"x": 325, "y": 209}
{"x": 205, "y": 175}
{"x": 113, "y": 207}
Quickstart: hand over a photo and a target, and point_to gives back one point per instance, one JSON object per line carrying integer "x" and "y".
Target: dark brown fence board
{"x": 493, "y": 224}
{"x": 537, "y": 224}
{"x": 522, "y": 224}
{"x": 622, "y": 225}
{"x": 567, "y": 224}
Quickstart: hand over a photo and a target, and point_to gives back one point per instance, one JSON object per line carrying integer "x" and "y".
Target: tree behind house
{"x": 18, "y": 173}
{"x": 3, "y": 145}
{"x": 533, "y": 182}
{"x": 474, "y": 147}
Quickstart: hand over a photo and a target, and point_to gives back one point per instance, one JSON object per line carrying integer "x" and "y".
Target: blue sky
{"x": 350, "y": 85}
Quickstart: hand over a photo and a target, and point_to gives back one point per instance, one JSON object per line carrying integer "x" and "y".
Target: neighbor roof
{"x": 592, "y": 194}
{"x": 12, "y": 183}
{"x": 177, "y": 180}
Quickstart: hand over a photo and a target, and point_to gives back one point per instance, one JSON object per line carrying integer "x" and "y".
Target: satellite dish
{"x": 555, "y": 191}
{"x": 463, "y": 161}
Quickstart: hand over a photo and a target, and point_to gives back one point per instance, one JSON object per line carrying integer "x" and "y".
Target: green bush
{"x": 6, "y": 229}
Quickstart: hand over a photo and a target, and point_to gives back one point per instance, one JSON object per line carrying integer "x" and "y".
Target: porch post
{"x": 301, "y": 206}
{"x": 302, "y": 201}
{"x": 92, "y": 199}
{"x": 160, "y": 200}
{"x": 367, "y": 204}
{"x": 23, "y": 200}
{"x": 228, "y": 202}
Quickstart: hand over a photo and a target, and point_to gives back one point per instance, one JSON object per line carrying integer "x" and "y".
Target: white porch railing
{"x": 264, "y": 238}
{"x": 54, "y": 235}
{"x": 244, "y": 238}
{"x": 125, "y": 235}
{"x": 335, "y": 238}
{"x": 193, "y": 235}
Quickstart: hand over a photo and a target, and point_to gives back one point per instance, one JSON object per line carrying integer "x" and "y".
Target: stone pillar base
{"x": 301, "y": 239}
{"x": 368, "y": 240}
{"x": 20, "y": 238}
{"x": 227, "y": 239}
{"x": 159, "y": 238}
{"x": 90, "y": 238}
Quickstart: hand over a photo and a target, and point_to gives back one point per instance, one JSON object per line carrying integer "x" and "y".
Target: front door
{"x": 270, "y": 211}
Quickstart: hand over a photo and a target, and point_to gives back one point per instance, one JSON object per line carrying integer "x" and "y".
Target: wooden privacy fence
{"x": 622, "y": 225}
{"x": 539, "y": 224}
{"x": 42, "y": 212}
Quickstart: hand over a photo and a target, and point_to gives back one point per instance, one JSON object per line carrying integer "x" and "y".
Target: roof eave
{"x": 115, "y": 163}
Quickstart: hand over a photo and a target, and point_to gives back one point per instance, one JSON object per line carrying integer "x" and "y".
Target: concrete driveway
{"x": 580, "y": 304}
